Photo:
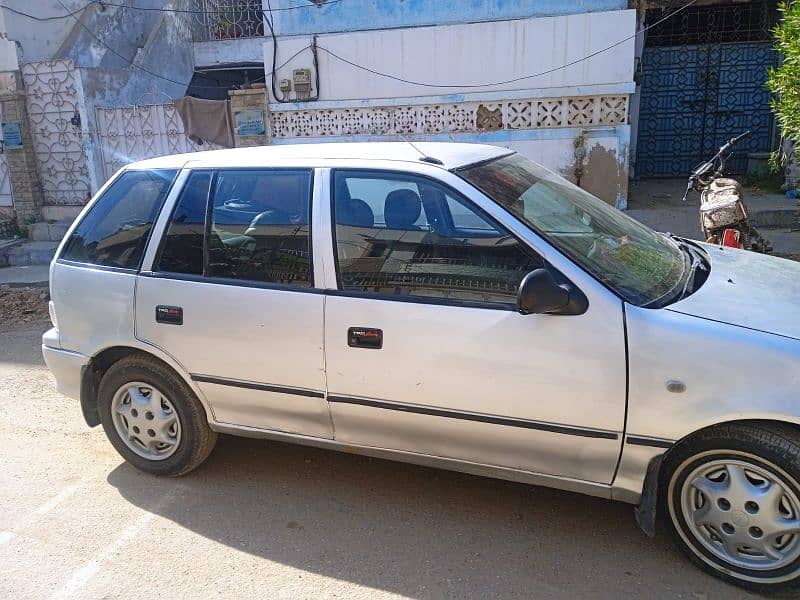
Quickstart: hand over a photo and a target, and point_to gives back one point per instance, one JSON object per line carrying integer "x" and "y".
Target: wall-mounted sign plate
{"x": 249, "y": 123}
{"x": 12, "y": 135}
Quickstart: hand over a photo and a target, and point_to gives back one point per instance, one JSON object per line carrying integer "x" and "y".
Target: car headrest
{"x": 402, "y": 209}
{"x": 358, "y": 213}
{"x": 342, "y": 192}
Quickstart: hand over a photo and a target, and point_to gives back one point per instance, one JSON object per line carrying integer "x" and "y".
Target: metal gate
{"x": 703, "y": 76}
{"x": 129, "y": 133}
{"x": 51, "y": 89}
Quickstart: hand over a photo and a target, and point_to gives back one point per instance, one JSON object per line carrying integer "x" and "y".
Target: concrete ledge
{"x": 48, "y": 232}
{"x": 28, "y": 276}
{"x": 31, "y": 253}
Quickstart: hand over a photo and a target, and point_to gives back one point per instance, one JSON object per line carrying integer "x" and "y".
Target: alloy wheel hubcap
{"x": 743, "y": 513}
{"x": 146, "y": 420}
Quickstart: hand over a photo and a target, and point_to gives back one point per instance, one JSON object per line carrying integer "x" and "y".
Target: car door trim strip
{"x": 280, "y": 287}
{"x": 639, "y": 440}
{"x": 252, "y": 385}
{"x": 479, "y": 417}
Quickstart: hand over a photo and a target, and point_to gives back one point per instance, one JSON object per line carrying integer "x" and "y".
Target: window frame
{"x": 91, "y": 205}
{"x": 449, "y": 189}
{"x": 187, "y": 175}
{"x": 209, "y": 208}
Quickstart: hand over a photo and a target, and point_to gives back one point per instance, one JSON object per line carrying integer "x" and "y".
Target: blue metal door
{"x": 694, "y": 97}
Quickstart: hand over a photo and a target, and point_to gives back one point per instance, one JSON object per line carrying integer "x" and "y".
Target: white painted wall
{"x": 39, "y": 40}
{"x": 224, "y": 52}
{"x": 8, "y": 49}
{"x": 469, "y": 54}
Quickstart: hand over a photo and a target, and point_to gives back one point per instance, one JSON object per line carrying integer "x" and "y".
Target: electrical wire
{"x": 146, "y": 8}
{"x": 282, "y": 99}
{"x": 148, "y": 71}
{"x": 507, "y": 81}
{"x": 51, "y": 18}
{"x": 214, "y": 12}
{"x": 268, "y": 19}
{"x": 316, "y": 47}
{"x": 117, "y": 54}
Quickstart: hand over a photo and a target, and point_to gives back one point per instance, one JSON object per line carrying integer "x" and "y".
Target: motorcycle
{"x": 723, "y": 214}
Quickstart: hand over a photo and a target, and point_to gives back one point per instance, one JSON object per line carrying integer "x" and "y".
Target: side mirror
{"x": 539, "y": 293}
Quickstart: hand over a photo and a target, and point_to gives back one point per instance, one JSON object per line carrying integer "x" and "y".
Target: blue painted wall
{"x": 355, "y": 15}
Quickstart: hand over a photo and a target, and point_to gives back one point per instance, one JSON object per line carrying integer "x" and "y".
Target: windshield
{"x": 644, "y": 267}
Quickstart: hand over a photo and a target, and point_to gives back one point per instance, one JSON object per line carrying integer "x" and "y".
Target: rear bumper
{"x": 67, "y": 368}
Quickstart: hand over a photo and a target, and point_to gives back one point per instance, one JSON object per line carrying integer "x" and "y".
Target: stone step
{"x": 30, "y": 253}
{"x": 5, "y": 247}
{"x": 45, "y": 231}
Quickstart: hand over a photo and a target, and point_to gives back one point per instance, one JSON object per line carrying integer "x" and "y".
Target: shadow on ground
{"x": 414, "y": 531}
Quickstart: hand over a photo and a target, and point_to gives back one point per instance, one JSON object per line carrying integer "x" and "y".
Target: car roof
{"x": 452, "y": 155}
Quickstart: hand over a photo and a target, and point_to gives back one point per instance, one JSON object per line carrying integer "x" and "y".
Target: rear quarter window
{"x": 115, "y": 231}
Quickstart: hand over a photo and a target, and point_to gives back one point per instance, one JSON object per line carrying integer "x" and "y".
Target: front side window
{"x": 403, "y": 235}
{"x": 258, "y": 229}
{"x": 644, "y": 267}
{"x": 115, "y": 231}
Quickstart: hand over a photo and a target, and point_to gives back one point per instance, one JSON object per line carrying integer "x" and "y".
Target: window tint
{"x": 115, "y": 231}
{"x": 373, "y": 193}
{"x": 260, "y": 226}
{"x": 466, "y": 219}
{"x": 182, "y": 248}
{"x": 426, "y": 241}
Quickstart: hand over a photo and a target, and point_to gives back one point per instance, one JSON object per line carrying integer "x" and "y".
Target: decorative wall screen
{"x": 52, "y": 101}
{"x": 534, "y": 113}
{"x": 130, "y": 133}
{"x": 5, "y": 183}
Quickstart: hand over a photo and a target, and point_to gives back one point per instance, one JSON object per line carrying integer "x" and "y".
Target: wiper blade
{"x": 697, "y": 263}
{"x": 696, "y": 258}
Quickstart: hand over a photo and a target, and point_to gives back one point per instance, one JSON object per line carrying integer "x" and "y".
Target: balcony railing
{"x": 228, "y": 19}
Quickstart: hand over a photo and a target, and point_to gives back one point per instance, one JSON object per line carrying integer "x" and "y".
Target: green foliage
{"x": 784, "y": 81}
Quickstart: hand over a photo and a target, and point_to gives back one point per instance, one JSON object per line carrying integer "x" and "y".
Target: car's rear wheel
{"x": 153, "y": 418}
{"x": 732, "y": 499}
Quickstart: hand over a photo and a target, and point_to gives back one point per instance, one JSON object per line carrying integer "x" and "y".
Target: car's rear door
{"x": 426, "y": 353}
{"x": 229, "y": 293}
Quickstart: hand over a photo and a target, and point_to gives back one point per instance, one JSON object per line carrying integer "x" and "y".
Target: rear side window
{"x": 115, "y": 231}
{"x": 258, "y": 230}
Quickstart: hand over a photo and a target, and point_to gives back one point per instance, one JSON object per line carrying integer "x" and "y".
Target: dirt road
{"x": 269, "y": 520}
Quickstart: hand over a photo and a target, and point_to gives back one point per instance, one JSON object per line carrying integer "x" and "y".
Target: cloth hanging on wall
{"x": 207, "y": 120}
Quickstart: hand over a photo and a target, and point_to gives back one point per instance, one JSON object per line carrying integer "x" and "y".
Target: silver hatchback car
{"x": 451, "y": 305}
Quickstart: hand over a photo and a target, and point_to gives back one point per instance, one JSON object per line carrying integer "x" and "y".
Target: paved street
{"x": 268, "y": 520}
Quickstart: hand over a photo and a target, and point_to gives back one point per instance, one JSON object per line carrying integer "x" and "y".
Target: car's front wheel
{"x": 152, "y": 418}
{"x": 732, "y": 501}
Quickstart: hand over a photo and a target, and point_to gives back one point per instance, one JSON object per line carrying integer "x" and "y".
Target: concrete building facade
{"x": 578, "y": 86}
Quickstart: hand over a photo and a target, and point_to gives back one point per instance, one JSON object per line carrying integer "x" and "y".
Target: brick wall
{"x": 22, "y": 168}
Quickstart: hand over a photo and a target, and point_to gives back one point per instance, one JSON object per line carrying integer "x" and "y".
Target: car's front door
{"x": 230, "y": 296}
{"x": 426, "y": 353}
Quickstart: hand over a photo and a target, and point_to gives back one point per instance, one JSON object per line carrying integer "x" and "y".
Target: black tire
{"x": 197, "y": 439}
{"x": 770, "y": 446}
